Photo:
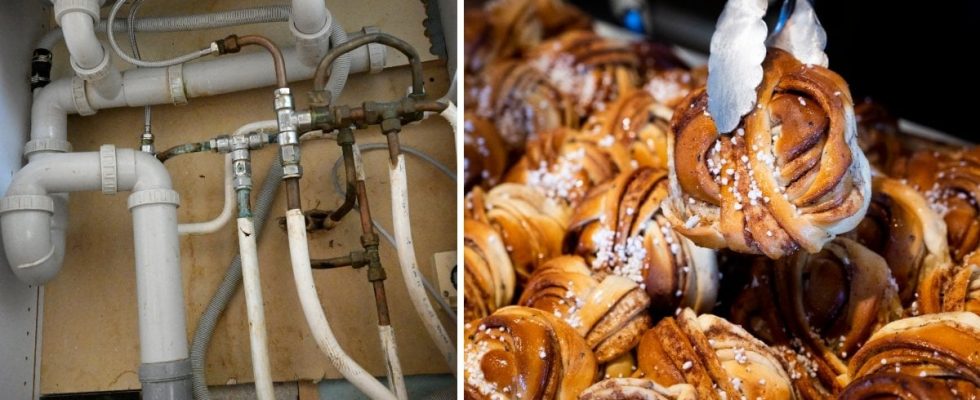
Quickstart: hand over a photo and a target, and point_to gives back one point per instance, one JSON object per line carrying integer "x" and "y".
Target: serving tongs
{"x": 738, "y": 47}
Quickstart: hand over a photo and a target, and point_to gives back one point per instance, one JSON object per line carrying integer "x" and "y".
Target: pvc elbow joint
{"x": 33, "y": 244}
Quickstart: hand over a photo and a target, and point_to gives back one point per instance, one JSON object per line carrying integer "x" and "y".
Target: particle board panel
{"x": 90, "y": 339}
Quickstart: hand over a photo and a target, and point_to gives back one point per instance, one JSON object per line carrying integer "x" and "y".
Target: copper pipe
{"x": 394, "y": 149}
{"x": 382, "y": 303}
{"x": 350, "y": 196}
{"x": 323, "y": 68}
{"x": 273, "y": 50}
{"x": 365, "y": 210}
{"x": 430, "y": 106}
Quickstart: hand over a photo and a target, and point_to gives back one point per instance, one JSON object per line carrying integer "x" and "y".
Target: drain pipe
{"x": 88, "y": 58}
{"x": 26, "y": 213}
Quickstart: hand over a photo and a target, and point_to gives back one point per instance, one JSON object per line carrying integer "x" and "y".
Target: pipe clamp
{"x": 107, "y": 163}
{"x": 153, "y": 196}
{"x": 23, "y": 202}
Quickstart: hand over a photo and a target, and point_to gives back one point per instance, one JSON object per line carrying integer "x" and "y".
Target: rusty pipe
{"x": 381, "y": 300}
{"x": 351, "y": 195}
{"x": 292, "y": 194}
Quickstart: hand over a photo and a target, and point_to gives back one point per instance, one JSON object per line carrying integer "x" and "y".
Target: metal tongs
{"x": 738, "y": 47}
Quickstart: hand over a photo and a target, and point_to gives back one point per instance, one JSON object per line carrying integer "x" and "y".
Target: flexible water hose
{"x": 221, "y": 298}
{"x": 410, "y": 269}
{"x": 341, "y": 68}
{"x": 213, "y": 48}
{"x": 299, "y": 255}
{"x": 221, "y": 19}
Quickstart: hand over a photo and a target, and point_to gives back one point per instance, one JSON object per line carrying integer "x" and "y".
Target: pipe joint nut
{"x": 283, "y": 99}
{"x": 221, "y": 144}
{"x": 107, "y": 165}
{"x": 153, "y": 196}
{"x": 256, "y": 140}
{"x": 101, "y": 70}
{"x": 79, "y": 98}
{"x": 369, "y": 240}
{"x": 27, "y": 202}
{"x": 391, "y": 125}
{"x": 292, "y": 171}
{"x": 46, "y": 145}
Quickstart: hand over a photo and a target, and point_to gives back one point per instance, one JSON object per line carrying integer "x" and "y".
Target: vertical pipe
{"x": 254, "y": 306}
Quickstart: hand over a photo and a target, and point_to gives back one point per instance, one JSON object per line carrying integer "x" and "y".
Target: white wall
{"x": 20, "y": 25}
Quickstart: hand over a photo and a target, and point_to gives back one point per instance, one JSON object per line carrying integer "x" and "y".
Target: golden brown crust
{"x": 489, "y": 275}
{"x": 564, "y": 164}
{"x": 610, "y": 314}
{"x": 620, "y": 230}
{"x": 901, "y": 227}
{"x": 485, "y": 154}
{"x": 950, "y": 181}
{"x": 637, "y": 389}
{"x": 963, "y": 288}
{"x": 718, "y": 358}
{"x": 820, "y": 308}
{"x": 521, "y": 102}
{"x": 639, "y": 122}
{"x": 521, "y": 352}
{"x": 530, "y": 225}
{"x": 790, "y": 177}
{"x": 928, "y": 357}
{"x": 588, "y": 68}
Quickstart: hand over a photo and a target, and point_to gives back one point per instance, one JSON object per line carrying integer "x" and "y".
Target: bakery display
{"x": 616, "y": 246}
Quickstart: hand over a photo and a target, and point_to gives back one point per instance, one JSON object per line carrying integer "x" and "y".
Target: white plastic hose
{"x": 410, "y": 269}
{"x": 254, "y": 307}
{"x": 299, "y": 255}
{"x": 396, "y": 379}
{"x": 213, "y": 225}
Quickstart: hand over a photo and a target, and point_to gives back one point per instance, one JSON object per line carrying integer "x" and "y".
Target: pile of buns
{"x": 618, "y": 246}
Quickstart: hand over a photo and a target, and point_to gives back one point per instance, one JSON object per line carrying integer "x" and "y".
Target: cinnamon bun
{"x": 610, "y": 312}
{"x": 792, "y": 175}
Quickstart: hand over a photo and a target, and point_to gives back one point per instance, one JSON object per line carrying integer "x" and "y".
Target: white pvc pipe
{"x": 309, "y": 16}
{"x": 152, "y": 86}
{"x": 83, "y": 46}
{"x": 254, "y": 306}
{"x": 410, "y": 269}
{"x": 213, "y": 225}
{"x": 396, "y": 379}
{"x": 299, "y": 255}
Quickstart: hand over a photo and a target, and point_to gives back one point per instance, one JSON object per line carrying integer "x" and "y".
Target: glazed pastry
{"x": 637, "y": 121}
{"x": 877, "y": 133}
{"x": 522, "y": 102}
{"x": 529, "y": 224}
{"x": 911, "y": 237}
{"x": 633, "y": 388}
{"x": 564, "y": 164}
{"x": 790, "y": 177}
{"x": 610, "y": 312}
{"x": 721, "y": 360}
{"x": 489, "y": 282}
{"x": 525, "y": 353}
{"x": 822, "y": 306}
{"x": 588, "y": 68}
{"x": 620, "y": 230}
{"x": 932, "y": 356}
{"x": 508, "y": 28}
{"x": 485, "y": 154}
{"x": 951, "y": 183}
{"x": 963, "y": 287}
{"x": 670, "y": 87}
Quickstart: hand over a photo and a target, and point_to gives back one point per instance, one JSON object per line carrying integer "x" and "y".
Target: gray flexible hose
{"x": 221, "y": 19}
{"x": 221, "y": 298}
{"x": 341, "y": 67}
